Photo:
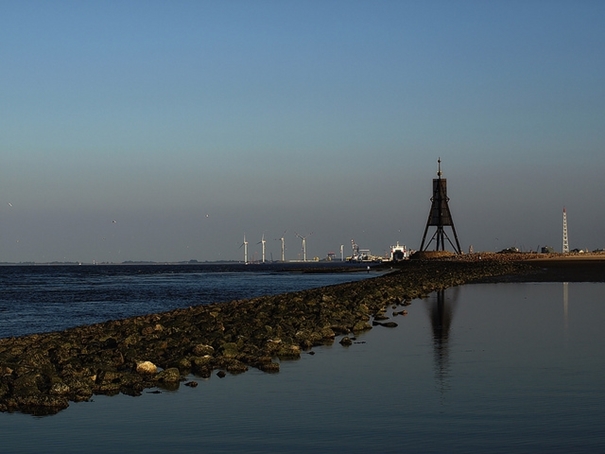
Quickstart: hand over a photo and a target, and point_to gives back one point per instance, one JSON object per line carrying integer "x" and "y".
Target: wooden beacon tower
{"x": 440, "y": 217}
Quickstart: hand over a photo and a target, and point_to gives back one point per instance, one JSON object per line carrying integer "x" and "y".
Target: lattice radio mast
{"x": 565, "y": 239}
{"x": 440, "y": 216}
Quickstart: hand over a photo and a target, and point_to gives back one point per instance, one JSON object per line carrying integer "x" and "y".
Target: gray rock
{"x": 171, "y": 375}
{"x": 346, "y": 341}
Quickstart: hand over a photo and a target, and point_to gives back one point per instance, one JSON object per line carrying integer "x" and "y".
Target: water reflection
{"x": 565, "y": 307}
{"x": 511, "y": 389}
{"x": 441, "y": 313}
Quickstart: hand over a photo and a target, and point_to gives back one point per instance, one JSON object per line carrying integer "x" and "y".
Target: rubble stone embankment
{"x": 42, "y": 373}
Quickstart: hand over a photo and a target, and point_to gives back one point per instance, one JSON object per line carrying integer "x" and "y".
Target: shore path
{"x": 42, "y": 373}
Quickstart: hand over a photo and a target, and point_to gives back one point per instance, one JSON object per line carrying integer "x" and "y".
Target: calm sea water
{"x": 36, "y": 299}
{"x": 482, "y": 368}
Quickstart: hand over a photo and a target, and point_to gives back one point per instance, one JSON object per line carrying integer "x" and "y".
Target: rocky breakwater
{"x": 42, "y": 373}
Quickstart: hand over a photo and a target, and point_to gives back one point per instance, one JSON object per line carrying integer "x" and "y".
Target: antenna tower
{"x": 565, "y": 239}
{"x": 354, "y": 249}
{"x": 440, "y": 216}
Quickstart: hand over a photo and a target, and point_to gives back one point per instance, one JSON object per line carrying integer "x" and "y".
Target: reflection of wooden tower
{"x": 440, "y": 216}
{"x": 441, "y": 320}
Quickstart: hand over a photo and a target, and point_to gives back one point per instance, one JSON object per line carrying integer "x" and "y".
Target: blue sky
{"x": 165, "y": 131}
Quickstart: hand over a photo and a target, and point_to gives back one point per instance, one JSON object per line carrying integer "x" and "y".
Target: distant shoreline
{"x": 553, "y": 268}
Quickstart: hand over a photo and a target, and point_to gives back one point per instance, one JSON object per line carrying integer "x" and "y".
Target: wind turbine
{"x": 304, "y": 245}
{"x": 245, "y": 244}
{"x": 283, "y": 246}
{"x": 263, "y": 243}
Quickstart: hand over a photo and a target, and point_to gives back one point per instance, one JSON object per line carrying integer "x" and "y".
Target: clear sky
{"x": 166, "y": 130}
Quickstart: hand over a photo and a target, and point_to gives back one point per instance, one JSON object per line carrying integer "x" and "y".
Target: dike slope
{"x": 42, "y": 373}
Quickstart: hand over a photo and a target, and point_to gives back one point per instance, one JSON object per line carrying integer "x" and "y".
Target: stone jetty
{"x": 43, "y": 373}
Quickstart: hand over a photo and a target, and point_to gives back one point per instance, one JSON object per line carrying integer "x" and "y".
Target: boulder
{"x": 236, "y": 367}
{"x": 146, "y": 367}
{"x": 269, "y": 367}
{"x": 202, "y": 350}
{"x": 229, "y": 350}
{"x": 346, "y": 341}
{"x": 184, "y": 365}
{"x": 288, "y": 352}
{"x": 171, "y": 375}
{"x": 361, "y": 326}
{"x": 387, "y": 324}
{"x": 202, "y": 366}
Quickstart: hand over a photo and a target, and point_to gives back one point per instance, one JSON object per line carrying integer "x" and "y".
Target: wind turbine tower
{"x": 263, "y": 247}
{"x": 304, "y": 246}
{"x": 354, "y": 249}
{"x": 245, "y": 244}
{"x": 565, "y": 239}
{"x": 283, "y": 247}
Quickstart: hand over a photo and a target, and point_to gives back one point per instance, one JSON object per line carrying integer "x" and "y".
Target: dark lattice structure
{"x": 440, "y": 217}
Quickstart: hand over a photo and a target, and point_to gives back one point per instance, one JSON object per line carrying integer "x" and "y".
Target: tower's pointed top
{"x": 439, "y": 171}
